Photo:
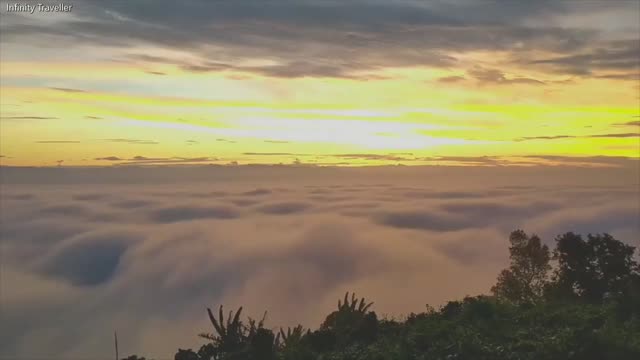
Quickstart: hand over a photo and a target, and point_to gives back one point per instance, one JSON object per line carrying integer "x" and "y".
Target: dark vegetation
{"x": 579, "y": 301}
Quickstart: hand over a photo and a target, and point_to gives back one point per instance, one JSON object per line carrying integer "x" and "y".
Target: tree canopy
{"x": 581, "y": 301}
{"x": 592, "y": 269}
{"x": 526, "y": 277}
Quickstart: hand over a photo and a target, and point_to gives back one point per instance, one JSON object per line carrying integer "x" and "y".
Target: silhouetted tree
{"x": 229, "y": 336}
{"x": 207, "y": 352}
{"x": 263, "y": 344}
{"x": 526, "y": 277}
{"x": 322, "y": 340}
{"x": 293, "y": 336}
{"x": 476, "y": 327}
{"x": 295, "y": 343}
{"x": 186, "y": 355}
{"x": 254, "y": 325}
{"x": 592, "y": 269}
{"x": 628, "y": 301}
{"x": 352, "y": 321}
{"x": 451, "y": 309}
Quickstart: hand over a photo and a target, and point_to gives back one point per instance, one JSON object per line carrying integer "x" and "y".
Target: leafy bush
{"x": 587, "y": 309}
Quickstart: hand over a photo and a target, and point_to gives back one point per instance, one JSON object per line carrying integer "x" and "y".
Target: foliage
{"x": 229, "y": 338}
{"x": 352, "y": 322}
{"x": 526, "y": 277}
{"x": 592, "y": 269}
{"x": 186, "y": 355}
{"x": 588, "y": 308}
{"x": 292, "y": 337}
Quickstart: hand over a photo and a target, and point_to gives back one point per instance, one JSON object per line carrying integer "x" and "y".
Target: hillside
{"x": 579, "y": 301}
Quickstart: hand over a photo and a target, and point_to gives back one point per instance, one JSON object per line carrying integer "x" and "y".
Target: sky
{"x": 320, "y": 83}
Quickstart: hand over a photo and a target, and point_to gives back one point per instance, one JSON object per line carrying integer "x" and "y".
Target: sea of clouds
{"x": 145, "y": 251}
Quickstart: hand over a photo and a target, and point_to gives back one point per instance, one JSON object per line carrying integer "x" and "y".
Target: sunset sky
{"x": 529, "y": 112}
{"x": 321, "y": 82}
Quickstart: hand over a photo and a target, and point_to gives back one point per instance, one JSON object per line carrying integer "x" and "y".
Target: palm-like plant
{"x": 350, "y": 306}
{"x": 230, "y": 334}
{"x": 349, "y": 312}
{"x": 254, "y": 325}
{"x": 292, "y": 336}
{"x": 352, "y": 321}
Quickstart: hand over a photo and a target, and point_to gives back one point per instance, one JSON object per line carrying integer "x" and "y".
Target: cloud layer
{"x": 82, "y": 259}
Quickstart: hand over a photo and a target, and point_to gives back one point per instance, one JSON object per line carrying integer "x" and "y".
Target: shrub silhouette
{"x": 263, "y": 344}
{"x": 293, "y": 336}
{"x": 526, "y": 278}
{"x": 588, "y": 308}
{"x": 186, "y": 355}
{"x": 229, "y": 338}
{"x": 593, "y": 269}
{"x": 352, "y": 322}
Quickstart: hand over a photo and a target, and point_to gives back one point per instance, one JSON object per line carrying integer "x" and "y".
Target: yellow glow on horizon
{"x": 184, "y": 114}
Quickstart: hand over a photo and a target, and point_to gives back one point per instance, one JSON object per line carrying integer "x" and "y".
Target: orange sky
{"x": 288, "y": 93}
